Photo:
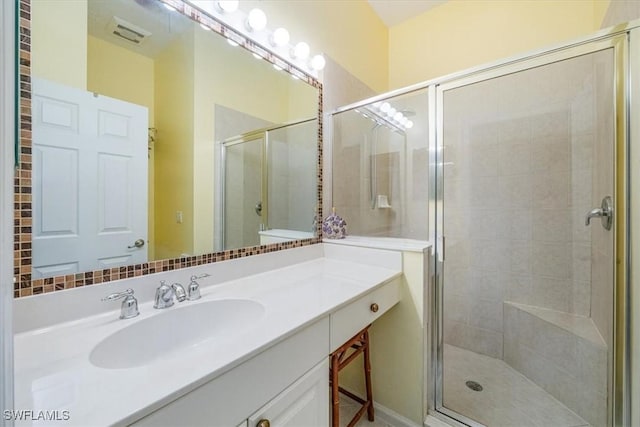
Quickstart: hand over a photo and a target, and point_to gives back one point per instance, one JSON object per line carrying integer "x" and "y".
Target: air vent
{"x": 128, "y": 31}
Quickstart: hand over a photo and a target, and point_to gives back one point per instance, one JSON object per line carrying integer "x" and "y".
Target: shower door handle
{"x": 604, "y": 212}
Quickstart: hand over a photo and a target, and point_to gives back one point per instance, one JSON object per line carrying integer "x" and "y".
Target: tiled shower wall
{"x": 518, "y": 181}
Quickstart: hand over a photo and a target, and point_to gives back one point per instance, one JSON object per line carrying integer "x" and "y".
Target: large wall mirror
{"x": 155, "y": 138}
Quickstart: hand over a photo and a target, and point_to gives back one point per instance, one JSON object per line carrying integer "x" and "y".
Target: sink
{"x": 170, "y": 332}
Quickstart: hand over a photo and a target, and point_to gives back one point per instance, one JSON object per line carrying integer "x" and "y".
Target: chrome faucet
{"x": 194, "y": 287}
{"x": 129, "y": 306}
{"x": 165, "y": 294}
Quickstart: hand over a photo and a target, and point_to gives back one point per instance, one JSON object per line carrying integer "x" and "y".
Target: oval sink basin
{"x": 172, "y": 331}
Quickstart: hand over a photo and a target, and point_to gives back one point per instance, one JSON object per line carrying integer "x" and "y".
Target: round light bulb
{"x": 391, "y": 112}
{"x": 257, "y": 20}
{"x": 280, "y": 37}
{"x": 301, "y": 50}
{"x": 228, "y": 6}
{"x": 385, "y": 107}
{"x": 409, "y": 124}
{"x": 404, "y": 121}
{"x": 318, "y": 62}
{"x": 398, "y": 116}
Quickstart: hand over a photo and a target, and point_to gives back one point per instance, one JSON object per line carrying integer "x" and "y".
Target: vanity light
{"x": 280, "y": 37}
{"x": 257, "y": 20}
{"x": 301, "y": 50}
{"x": 227, "y": 6}
{"x": 385, "y": 107}
{"x": 318, "y": 62}
{"x": 398, "y": 116}
{"x": 409, "y": 124}
{"x": 391, "y": 112}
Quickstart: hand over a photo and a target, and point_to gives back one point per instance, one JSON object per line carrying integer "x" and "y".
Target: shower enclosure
{"x": 268, "y": 183}
{"x": 528, "y": 298}
{"x": 379, "y": 182}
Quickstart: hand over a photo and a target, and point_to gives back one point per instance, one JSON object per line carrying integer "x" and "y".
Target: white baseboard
{"x": 392, "y": 418}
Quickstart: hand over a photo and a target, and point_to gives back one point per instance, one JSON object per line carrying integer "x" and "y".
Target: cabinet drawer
{"x": 350, "y": 320}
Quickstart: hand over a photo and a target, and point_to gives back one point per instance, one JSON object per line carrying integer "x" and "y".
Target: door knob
{"x": 137, "y": 244}
{"x": 604, "y": 212}
{"x": 263, "y": 423}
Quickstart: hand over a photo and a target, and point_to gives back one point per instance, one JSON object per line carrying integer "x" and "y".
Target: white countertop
{"x": 53, "y": 371}
{"x": 389, "y": 243}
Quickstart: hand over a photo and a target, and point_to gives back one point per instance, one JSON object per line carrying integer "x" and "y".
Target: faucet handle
{"x": 118, "y": 295}
{"x": 179, "y": 292}
{"x": 194, "y": 288}
{"x": 129, "y": 306}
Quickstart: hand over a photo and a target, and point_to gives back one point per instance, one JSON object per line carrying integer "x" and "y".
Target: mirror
{"x": 155, "y": 138}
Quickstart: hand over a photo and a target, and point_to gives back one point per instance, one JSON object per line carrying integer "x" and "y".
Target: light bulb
{"x": 377, "y": 104}
{"x": 398, "y": 116}
{"x": 385, "y": 107}
{"x": 276, "y": 67}
{"x": 228, "y": 6}
{"x": 204, "y": 27}
{"x": 404, "y": 121}
{"x": 301, "y": 50}
{"x": 232, "y": 43}
{"x": 280, "y": 37}
{"x": 257, "y": 20}
{"x": 318, "y": 62}
{"x": 255, "y": 55}
{"x": 391, "y": 112}
{"x": 409, "y": 124}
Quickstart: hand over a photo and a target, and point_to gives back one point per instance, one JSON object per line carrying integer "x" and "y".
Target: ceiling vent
{"x": 128, "y": 31}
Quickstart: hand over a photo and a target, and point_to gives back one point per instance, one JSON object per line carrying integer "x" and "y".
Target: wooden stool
{"x": 359, "y": 344}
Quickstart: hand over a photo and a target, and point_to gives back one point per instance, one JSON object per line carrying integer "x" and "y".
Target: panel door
{"x": 305, "y": 403}
{"x": 89, "y": 181}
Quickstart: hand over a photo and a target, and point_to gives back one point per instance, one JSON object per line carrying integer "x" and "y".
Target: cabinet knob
{"x": 263, "y": 423}
{"x": 374, "y": 307}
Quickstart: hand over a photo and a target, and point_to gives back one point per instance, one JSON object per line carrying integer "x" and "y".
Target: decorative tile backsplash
{"x": 23, "y": 209}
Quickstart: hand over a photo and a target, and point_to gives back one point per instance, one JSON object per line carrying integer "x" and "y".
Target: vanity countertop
{"x": 53, "y": 370}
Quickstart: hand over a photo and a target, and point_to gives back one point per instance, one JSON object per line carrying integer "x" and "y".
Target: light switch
{"x": 179, "y": 217}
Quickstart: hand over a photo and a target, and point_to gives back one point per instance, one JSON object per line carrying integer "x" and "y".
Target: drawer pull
{"x": 374, "y": 307}
{"x": 263, "y": 423}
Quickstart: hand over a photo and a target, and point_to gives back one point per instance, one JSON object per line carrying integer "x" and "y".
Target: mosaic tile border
{"x": 23, "y": 220}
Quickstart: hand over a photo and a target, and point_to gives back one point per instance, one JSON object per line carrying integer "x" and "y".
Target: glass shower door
{"x": 526, "y": 291}
{"x": 245, "y": 211}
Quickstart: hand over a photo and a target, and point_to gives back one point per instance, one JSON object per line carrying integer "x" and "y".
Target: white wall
{"x": 7, "y": 78}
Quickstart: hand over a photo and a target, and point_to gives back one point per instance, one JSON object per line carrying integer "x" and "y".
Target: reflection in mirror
{"x": 154, "y": 138}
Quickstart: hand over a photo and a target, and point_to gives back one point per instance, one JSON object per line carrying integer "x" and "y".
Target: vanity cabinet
{"x": 285, "y": 385}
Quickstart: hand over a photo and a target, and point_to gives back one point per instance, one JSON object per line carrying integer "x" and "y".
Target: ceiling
{"x": 393, "y": 12}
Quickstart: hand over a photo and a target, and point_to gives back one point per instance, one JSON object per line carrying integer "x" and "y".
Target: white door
{"x": 304, "y": 403}
{"x": 89, "y": 181}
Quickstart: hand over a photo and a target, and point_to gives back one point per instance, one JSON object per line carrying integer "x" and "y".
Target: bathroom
{"x": 462, "y": 145}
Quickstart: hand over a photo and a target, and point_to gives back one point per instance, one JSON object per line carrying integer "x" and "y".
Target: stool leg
{"x": 335, "y": 397}
{"x": 367, "y": 376}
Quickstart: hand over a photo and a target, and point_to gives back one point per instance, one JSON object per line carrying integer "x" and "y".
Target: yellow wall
{"x": 348, "y": 31}
{"x": 59, "y": 41}
{"x": 461, "y": 34}
{"x": 120, "y": 73}
{"x": 243, "y": 84}
{"x": 397, "y": 348}
{"x": 174, "y": 148}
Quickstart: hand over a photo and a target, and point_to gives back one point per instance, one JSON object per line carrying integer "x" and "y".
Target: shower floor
{"x": 508, "y": 398}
